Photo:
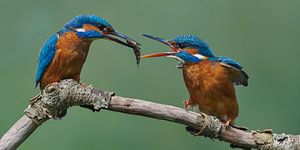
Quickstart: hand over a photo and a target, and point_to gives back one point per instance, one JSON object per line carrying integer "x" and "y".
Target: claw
{"x": 227, "y": 124}
{"x": 186, "y": 104}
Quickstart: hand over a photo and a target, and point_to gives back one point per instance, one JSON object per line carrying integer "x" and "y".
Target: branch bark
{"x": 54, "y": 101}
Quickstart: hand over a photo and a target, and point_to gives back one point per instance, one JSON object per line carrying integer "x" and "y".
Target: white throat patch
{"x": 199, "y": 56}
{"x": 80, "y": 30}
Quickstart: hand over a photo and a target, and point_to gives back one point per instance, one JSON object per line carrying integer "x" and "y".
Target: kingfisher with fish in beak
{"x": 64, "y": 53}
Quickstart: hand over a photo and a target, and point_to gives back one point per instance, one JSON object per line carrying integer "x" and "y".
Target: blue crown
{"x": 192, "y": 41}
{"x": 80, "y": 20}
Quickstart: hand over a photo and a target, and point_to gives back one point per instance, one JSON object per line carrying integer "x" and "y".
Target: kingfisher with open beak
{"x": 65, "y": 52}
{"x": 209, "y": 79}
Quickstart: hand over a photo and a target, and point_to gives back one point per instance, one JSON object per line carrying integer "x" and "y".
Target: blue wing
{"x": 242, "y": 77}
{"x": 46, "y": 56}
{"x": 230, "y": 62}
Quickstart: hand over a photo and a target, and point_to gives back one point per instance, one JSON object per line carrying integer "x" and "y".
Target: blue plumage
{"x": 242, "y": 78}
{"x": 74, "y": 42}
{"x": 187, "y": 57}
{"x": 80, "y": 20}
{"x": 192, "y": 41}
{"x": 227, "y": 61}
{"x": 90, "y": 34}
{"x": 183, "y": 48}
{"x": 48, "y": 50}
{"x": 83, "y": 34}
{"x": 222, "y": 59}
{"x": 46, "y": 56}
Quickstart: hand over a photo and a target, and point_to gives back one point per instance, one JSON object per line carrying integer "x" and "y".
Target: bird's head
{"x": 189, "y": 43}
{"x": 92, "y": 27}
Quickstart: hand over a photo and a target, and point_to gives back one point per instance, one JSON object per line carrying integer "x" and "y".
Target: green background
{"x": 262, "y": 35}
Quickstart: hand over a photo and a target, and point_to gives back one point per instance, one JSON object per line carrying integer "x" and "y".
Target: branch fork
{"x": 54, "y": 101}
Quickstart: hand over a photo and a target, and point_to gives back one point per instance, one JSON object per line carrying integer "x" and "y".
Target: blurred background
{"x": 262, "y": 35}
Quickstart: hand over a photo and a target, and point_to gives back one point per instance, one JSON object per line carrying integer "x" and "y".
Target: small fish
{"x": 130, "y": 43}
{"x": 136, "y": 49}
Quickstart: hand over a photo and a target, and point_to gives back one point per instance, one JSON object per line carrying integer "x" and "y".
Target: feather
{"x": 241, "y": 78}
{"x": 46, "y": 56}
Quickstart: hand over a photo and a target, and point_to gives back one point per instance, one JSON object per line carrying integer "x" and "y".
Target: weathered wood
{"x": 54, "y": 101}
{"x": 17, "y": 134}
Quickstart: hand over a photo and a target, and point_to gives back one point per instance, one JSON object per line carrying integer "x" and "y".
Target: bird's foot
{"x": 186, "y": 104}
{"x": 227, "y": 124}
{"x": 56, "y": 82}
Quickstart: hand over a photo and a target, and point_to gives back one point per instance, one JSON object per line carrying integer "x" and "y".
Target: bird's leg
{"x": 186, "y": 104}
{"x": 190, "y": 106}
{"x": 227, "y": 124}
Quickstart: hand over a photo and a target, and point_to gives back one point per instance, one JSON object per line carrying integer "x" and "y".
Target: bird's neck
{"x": 186, "y": 65}
{"x": 70, "y": 41}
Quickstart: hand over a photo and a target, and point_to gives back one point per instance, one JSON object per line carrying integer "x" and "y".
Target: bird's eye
{"x": 101, "y": 27}
{"x": 176, "y": 45}
{"x": 105, "y": 30}
{"x": 180, "y": 45}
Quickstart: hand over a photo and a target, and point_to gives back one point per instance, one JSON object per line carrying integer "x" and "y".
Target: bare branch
{"x": 54, "y": 101}
{"x": 17, "y": 134}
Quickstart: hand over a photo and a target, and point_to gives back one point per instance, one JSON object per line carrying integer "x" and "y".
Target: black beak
{"x": 129, "y": 43}
{"x": 161, "y": 40}
{"x": 157, "y": 39}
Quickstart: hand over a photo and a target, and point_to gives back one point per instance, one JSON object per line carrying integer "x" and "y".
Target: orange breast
{"x": 69, "y": 58}
{"x": 211, "y": 88}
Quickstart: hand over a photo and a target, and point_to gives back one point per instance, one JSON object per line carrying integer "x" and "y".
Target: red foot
{"x": 186, "y": 104}
{"x": 227, "y": 124}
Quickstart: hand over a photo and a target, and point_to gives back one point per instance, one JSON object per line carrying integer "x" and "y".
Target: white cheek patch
{"x": 80, "y": 30}
{"x": 199, "y": 56}
{"x": 177, "y": 58}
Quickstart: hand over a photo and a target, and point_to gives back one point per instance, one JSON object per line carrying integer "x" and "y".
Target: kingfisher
{"x": 64, "y": 53}
{"x": 209, "y": 79}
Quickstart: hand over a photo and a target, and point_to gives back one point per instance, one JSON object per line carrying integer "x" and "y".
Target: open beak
{"x": 161, "y": 40}
{"x": 129, "y": 43}
{"x": 165, "y": 54}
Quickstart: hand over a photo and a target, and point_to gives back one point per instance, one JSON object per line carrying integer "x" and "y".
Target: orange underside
{"x": 69, "y": 58}
{"x": 210, "y": 86}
